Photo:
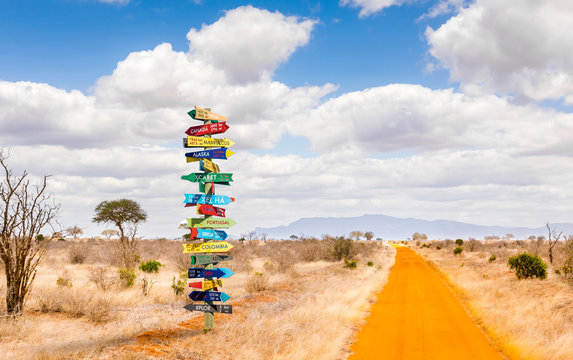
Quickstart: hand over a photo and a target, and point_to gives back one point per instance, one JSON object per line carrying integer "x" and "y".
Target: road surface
{"x": 416, "y": 316}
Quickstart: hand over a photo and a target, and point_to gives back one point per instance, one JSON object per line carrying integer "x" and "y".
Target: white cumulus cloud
{"x": 369, "y": 7}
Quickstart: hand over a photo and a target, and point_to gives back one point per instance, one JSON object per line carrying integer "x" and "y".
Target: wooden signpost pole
{"x": 209, "y": 316}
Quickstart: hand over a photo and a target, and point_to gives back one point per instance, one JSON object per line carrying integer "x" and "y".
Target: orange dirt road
{"x": 416, "y": 316}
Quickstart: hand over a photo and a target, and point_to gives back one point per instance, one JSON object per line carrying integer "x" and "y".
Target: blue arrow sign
{"x": 208, "y": 296}
{"x": 219, "y": 273}
{"x": 210, "y": 234}
{"x": 208, "y": 199}
{"x": 210, "y": 154}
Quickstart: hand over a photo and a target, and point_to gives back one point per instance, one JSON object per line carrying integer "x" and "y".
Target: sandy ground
{"x": 418, "y": 317}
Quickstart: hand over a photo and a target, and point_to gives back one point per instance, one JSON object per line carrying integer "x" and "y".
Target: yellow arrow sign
{"x": 207, "y": 142}
{"x": 209, "y": 247}
{"x": 208, "y": 165}
{"x": 203, "y": 114}
{"x": 207, "y": 284}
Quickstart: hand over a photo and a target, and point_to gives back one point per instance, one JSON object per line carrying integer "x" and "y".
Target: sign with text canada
{"x": 211, "y": 223}
{"x": 204, "y": 114}
{"x": 208, "y": 247}
{"x": 223, "y": 309}
{"x": 208, "y": 199}
{"x": 216, "y": 128}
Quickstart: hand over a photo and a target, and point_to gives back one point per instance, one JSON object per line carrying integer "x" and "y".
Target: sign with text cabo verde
{"x": 211, "y": 223}
{"x": 197, "y": 141}
{"x": 222, "y": 273}
{"x": 216, "y": 128}
{"x": 208, "y": 247}
{"x": 210, "y": 154}
{"x": 208, "y": 165}
{"x": 219, "y": 178}
{"x": 204, "y": 114}
{"x": 208, "y": 199}
{"x": 210, "y": 210}
{"x": 203, "y": 259}
{"x": 208, "y": 296}
{"x": 223, "y": 309}
{"x": 208, "y": 234}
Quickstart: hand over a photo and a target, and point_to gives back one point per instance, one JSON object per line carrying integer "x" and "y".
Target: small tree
{"x": 458, "y": 250}
{"x": 419, "y": 237}
{"x": 148, "y": 268}
{"x": 527, "y": 266}
{"x": 74, "y": 231}
{"x": 459, "y": 242}
{"x": 553, "y": 238}
{"x": 342, "y": 248}
{"x": 109, "y": 233}
{"x": 126, "y": 215}
{"x": 369, "y": 235}
{"x": 356, "y": 235}
{"x": 25, "y": 209}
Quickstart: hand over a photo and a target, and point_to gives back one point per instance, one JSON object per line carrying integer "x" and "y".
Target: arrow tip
{"x": 224, "y": 297}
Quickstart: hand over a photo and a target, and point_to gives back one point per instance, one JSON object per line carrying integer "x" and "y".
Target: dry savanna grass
{"x": 528, "y": 318}
{"x": 291, "y": 300}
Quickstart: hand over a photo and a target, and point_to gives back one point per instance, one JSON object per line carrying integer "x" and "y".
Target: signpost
{"x": 208, "y": 247}
{"x": 210, "y": 154}
{"x": 223, "y": 309}
{"x": 204, "y": 228}
{"x": 197, "y": 141}
{"x": 211, "y": 222}
{"x": 208, "y": 296}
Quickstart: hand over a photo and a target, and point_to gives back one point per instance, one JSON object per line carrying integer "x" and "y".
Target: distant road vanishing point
{"x": 416, "y": 316}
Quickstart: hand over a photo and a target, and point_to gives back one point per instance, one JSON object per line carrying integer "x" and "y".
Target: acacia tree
{"x": 369, "y": 235}
{"x": 553, "y": 238}
{"x": 25, "y": 209}
{"x": 126, "y": 214}
{"x": 74, "y": 231}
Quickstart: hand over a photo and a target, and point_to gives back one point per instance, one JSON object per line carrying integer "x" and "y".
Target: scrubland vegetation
{"x": 524, "y": 302}
{"x": 291, "y": 300}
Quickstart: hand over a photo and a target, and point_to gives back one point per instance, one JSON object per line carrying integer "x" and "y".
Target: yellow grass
{"x": 529, "y": 319}
{"x": 308, "y": 311}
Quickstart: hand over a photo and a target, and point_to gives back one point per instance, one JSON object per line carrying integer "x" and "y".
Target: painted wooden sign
{"x": 204, "y": 114}
{"x": 208, "y": 247}
{"x": 208, "y": 199}
{"x": 208, "y": 296}
{"x": 210, "y": 210}
{"x": 223, "y": 309}
{"x": 206, "y": 284}
{"x": 207, "y": 188}
{"x": 219, "y": 273}
{"x": 211, "y": 223}
{"x": 198, "y": 141}
{"x": 219, "y": 178}
{"x": 210, "y": 154}
{"x": 208, "y": 234}
{"x": 204, "y": 259}
{"x": 216, "y": 128}
{"x": 208, "y": 165}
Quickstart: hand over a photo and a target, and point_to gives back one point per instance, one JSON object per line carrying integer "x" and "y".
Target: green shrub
{"x": 127, "y": 277}
{"x": 438, "y": 247}
{"x": 458, "y": 250}
{"x": 64, "y": 281}
{"x": 178, "y": 286}
{"x": 150, "y": 266}
{"x": 459, "y": 242}
{"x": 369, "y": 263}
{"x": 527, "y": 266}
{"x": 492, "y": 258}
{"x": 350, "y": 264}
{"x": 341, "y": 248}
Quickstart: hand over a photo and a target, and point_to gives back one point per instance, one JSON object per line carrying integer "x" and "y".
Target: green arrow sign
{"x": 211, "y": 177}
{"x": 211, "y": 222}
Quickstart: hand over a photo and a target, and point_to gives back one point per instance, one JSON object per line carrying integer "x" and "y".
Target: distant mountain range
{"x": 392, "y": 228}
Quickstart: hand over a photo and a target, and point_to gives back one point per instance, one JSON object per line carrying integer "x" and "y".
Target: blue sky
{"x": 435, "y": 109}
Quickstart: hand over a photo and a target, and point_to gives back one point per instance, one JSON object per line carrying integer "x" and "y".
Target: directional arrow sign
{"x": 204, "y": 114}
{"x": 223, "y": 309}
{"x": 208, "y": 234}
{"x": 209, "y": 273}
{"x": 210, "y": 210}
{"x": 210, "y": 154}
{"x": 211, "y": 222}
{"x": 221, "y": 178}
{"x": 208, "y": 199}
{"x": 197, "y": 141}
{"x": 208, "y": 296}
{"x": 216, "y": 128}
{"x": 208, "y": 165}
{"x": 207, "y": 284}
{"x": 209, "y": 247}
{"x": 204, "y": 259}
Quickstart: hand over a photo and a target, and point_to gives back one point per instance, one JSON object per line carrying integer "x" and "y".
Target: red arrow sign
{"x": 211, "y": 210}
{"x": 216, "y": 128}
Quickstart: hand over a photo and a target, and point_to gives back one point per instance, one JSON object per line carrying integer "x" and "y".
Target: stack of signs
{"x": 207, "y": 245}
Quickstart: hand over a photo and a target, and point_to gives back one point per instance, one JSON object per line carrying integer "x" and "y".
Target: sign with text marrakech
{"x": 209, "y": 242}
